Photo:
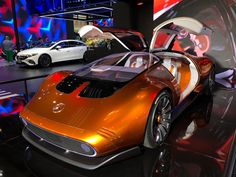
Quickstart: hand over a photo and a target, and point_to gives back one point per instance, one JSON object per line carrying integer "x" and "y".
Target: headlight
{"x": 87, "y": 150}
{"x": 31, "y": 55}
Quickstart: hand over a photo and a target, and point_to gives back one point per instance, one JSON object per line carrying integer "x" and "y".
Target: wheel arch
{"x": 46, "y": 55}
{"x": 165, "y": 89}
{"x": 171, "y": 94}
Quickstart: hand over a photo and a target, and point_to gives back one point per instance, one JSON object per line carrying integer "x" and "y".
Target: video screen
{"x": 31, "y": 27}
{"x": 6, "y": 21}
{"x": 43, "y": 6}
{"x": 161, "y": 6}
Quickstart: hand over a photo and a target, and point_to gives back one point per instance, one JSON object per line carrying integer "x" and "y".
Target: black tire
{"x": 159, "y": 121}
{"x": 86, "y": 57}
{"x": 210, "y": 82}
{"x": 45, "y": 61}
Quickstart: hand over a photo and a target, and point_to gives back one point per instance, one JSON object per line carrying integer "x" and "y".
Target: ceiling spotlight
{"x": 139, "y": 3}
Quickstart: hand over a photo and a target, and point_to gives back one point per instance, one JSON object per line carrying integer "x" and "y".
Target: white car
{"x": 55, "y": 52}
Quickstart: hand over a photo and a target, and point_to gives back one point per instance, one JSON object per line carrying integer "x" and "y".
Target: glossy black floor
{"x": 15, "y": 72}
{"x": 202, "y": 143}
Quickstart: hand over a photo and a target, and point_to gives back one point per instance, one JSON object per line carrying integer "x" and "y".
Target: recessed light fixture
{"x": 139, "y": 3}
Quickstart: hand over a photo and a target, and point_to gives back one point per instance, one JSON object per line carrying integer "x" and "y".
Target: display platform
{"x": 20, "y": 72}
{"x": 4, "y": 63}
{"x": 202, "y": 143}
{"x": 24, "y": 79}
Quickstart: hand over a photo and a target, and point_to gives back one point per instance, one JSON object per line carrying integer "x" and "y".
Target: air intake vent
{"x": 107, "y": 133}
{"x": 69, "y": 84}
{"x": 100, "y": 89}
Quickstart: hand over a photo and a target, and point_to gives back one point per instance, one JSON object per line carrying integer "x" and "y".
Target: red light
{"x": 153, "y": 95}
{"x": 57, "y": 77}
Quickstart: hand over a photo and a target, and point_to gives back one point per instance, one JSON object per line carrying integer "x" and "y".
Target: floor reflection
{"x": 200, "y": 145}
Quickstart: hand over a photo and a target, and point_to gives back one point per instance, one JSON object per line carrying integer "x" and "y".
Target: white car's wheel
{"x": 45, "y": 60}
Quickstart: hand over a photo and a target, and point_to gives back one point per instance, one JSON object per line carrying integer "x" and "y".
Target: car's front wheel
{"x": 45, "y": 61}
{"x": 159, "y": 121}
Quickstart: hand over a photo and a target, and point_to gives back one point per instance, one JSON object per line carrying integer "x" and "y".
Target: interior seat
{"x": 184, "y": 70}
{"x": 173, "y": 66}
{"x": 180, "y": 70}
{"x": 138, "y": 62}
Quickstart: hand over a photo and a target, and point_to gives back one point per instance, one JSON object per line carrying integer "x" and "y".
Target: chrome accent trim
{"x": 62, "y": 136}
{"x": 89, "y": 163}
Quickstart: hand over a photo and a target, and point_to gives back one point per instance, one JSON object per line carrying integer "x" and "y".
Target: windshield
{"x": 118, "y": 67}
{"x": 45, "y": 45}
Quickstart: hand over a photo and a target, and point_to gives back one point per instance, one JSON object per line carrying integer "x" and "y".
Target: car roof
{"x": 69, "y": 40}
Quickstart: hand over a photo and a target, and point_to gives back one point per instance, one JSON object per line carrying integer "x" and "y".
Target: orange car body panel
{"x": 103, "y": 122}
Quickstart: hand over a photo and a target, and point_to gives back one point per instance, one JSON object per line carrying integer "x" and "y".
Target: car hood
{"x": 33, "y": 51}
{"x": 104, "y": 120}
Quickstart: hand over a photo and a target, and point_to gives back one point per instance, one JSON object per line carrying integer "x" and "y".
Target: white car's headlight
{"x": 31, "y": 55}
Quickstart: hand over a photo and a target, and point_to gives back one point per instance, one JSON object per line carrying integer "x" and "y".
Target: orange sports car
{"x": 107, "y": 109}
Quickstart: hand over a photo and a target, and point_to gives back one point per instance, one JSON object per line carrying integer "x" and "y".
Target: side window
{"x": 163, "y": 39}
{"x": 72, "y": 44}
{"x": 160, "y": 72}
{"x": 80, "y": 44}
{"x": 137, "y": 61}
{"x": 75, "y": 44}
{"x": 63, "y": 45}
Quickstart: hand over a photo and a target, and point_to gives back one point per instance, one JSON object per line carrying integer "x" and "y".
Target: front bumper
{"x": 89, "y": 163}
{"x": 31, "y": 61}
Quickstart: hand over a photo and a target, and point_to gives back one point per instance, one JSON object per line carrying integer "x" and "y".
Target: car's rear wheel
{"x": 159, "y": 121}
{"x": 45, "y": 61}
{"x": 86, "y": 57}
{"x": 210, "y": 82}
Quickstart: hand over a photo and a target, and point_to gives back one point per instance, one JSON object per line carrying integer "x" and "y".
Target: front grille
{"x": 21, "y": 57}
{"x": 61, "y": 141}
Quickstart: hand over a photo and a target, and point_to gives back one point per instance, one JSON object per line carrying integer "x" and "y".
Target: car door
{"x": 60, "y": 52}
{"x": 182, "y": 34}
{"x": 173, "y": 41}
{"x": 77, "y": 49}
{"x": 81, "y": 49}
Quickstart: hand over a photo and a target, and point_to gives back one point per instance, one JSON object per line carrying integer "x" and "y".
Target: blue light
{"x": 48, "y": 27}
{"x": 30, "y": 37}
{"x": 10, "y": 22}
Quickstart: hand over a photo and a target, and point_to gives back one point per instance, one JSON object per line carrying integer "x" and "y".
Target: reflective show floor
{"x": 202, "y": 143}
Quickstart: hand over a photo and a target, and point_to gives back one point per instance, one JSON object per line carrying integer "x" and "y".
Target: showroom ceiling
{"x": 80, "y": 10}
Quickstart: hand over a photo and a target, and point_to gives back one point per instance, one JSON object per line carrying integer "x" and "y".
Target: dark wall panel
{"x": 144, "y": 19}
{"x": 122, "y": 15}
{"x": 129, "y": 15}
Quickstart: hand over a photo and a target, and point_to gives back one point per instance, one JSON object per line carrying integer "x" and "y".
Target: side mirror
{"x": 58, "y": 47}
